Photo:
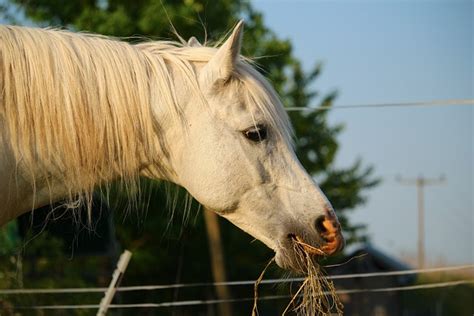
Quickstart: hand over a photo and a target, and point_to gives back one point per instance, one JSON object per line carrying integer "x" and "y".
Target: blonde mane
{"x": 78, "y": 109}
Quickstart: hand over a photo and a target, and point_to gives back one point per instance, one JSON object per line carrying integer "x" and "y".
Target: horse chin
{"x": 291, "y": 261}
{"x": 282, "y": 260}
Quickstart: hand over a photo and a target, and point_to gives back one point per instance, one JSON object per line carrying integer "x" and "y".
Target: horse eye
{"x": 256, "y": 134}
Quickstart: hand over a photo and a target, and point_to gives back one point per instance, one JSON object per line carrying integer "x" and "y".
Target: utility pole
{"x": 217, "y": 261}
{"x": 420, "y": 183}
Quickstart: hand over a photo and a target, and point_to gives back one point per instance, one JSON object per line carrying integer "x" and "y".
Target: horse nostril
{"x": 319, "y": 224}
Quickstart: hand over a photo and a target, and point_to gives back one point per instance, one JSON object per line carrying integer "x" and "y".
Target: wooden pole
{"x": 420, "y": 182}
{"x": 116, "y": 278}
{"x": 217, "y": 260}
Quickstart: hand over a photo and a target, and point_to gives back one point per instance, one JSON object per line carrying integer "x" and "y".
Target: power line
{"x": 273, "y": 297}
{"x": 231, "y": 283}
{"x": 447, "y": 102}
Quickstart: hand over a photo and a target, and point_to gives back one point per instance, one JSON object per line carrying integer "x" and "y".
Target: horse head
{"x": 236, "y": 158}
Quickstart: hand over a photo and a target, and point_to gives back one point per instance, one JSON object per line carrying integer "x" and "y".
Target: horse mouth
{"x": 302, "y": 247}
{"x": 296, "y": 252}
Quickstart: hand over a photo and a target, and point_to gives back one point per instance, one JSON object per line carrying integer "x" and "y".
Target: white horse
{"x": 77, "y": 111}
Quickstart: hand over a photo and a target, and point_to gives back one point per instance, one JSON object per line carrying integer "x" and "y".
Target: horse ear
{"x": 221, "y": 66}
{"x": 193, "y": 42}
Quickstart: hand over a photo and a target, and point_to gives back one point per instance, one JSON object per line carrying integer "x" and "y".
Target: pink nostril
{"x": 330, "y": 231}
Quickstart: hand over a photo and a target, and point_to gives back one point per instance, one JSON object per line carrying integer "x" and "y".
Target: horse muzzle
{"x": 324, "y": 240}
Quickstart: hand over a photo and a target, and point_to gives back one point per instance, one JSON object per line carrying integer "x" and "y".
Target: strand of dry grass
{"x": 294, "y": 297}
{"x": 255, "y": 288}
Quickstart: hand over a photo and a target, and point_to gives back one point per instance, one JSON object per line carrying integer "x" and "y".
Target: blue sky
{"x": 397, "y": 51}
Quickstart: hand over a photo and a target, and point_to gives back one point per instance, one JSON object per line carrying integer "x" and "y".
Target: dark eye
{"x": 256, "y": 133}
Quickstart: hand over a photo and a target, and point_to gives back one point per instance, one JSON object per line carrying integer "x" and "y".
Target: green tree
{"x": 167, "y": 258}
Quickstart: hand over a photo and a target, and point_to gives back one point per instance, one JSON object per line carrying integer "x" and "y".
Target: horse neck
{"x": 170, "y": 125}
{"x": 17, "y": 194}
{"x": 154, "y": 155}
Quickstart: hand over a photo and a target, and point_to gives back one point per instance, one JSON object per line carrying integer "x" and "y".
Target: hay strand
{"x": 255, "y": 288}
{"x": 294, "y": 297}
{"x": 306, "y": 248}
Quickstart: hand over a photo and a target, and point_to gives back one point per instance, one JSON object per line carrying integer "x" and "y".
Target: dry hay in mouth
{"x": 316, "y": 295}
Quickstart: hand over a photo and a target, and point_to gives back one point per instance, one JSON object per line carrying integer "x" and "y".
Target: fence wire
{"x": 429, "y": 103}
{"x": 231, "y": 283}
{"x": 237, "y": 300}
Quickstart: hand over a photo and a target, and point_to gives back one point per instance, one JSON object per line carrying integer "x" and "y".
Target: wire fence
{"x": 237, "y": 300}
{"x": 429, "y": 103}
{"x": 232, "y": 283}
